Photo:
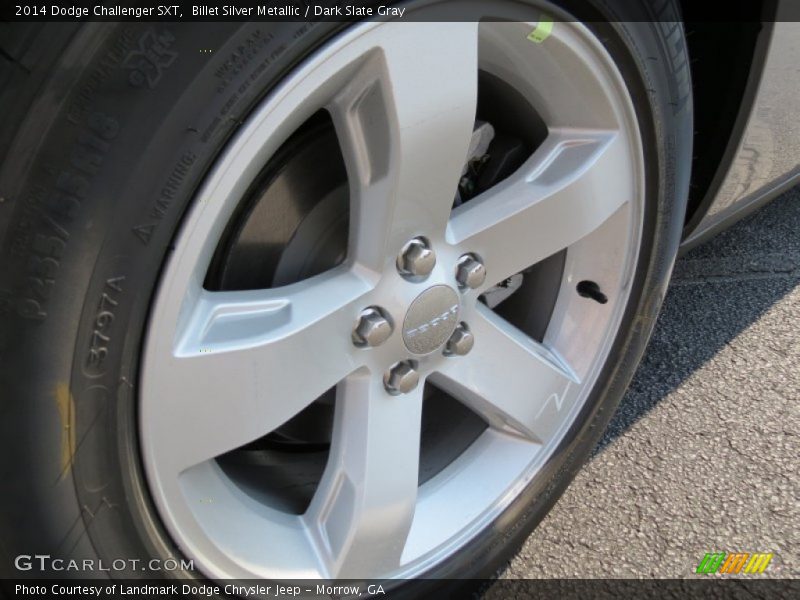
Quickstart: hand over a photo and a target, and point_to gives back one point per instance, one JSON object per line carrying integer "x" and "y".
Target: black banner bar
{"x": 340, "y": 10}
{"x": 555, "y": 589}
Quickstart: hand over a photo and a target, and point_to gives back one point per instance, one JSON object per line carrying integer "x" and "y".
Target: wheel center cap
{"x": 431, "y": 319}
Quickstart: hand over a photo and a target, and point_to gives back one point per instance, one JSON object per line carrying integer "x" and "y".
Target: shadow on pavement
{"x": 718, "y": 290}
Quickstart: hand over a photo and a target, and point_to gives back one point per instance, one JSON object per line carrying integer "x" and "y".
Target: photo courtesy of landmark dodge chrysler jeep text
{"x": 330, "y": 300}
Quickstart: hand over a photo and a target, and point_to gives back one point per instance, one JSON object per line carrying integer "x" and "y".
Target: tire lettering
{"x": 103, "y": 321}
{"x": 57, "y": 210}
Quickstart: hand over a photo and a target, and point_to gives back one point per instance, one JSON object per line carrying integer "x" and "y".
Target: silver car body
{"x": 764, "y": 159}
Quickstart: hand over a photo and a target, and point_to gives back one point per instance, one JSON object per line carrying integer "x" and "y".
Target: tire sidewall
{"x": 112, "y": 167}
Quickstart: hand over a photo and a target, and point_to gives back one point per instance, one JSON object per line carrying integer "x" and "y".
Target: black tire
{"x": 90, "y": 137}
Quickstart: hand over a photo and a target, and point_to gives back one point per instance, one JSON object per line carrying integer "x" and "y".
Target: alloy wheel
{"x": 410, "y": 305}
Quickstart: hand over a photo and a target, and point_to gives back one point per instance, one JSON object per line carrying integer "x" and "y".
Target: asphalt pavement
{"x": 703, "y": 454}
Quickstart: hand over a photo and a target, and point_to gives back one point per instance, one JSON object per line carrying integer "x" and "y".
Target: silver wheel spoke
{"x": 405, "y": 123}
{"x": 507, "y": 378}
{"x": 238, "y": 362}
{"x": 571, "y": 185}
{"x": 363, "y": 509}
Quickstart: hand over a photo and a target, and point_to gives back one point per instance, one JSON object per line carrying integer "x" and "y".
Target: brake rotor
{"x": 293, "y": 222}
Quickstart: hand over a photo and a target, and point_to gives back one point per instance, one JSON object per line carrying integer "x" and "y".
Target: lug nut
{"x": 372, "y": 329}
{"x": 470, "y": 272}
{"x": 461, "y": 342}
{"x": 416, "y": 259}
{"x": 401, "y": 378}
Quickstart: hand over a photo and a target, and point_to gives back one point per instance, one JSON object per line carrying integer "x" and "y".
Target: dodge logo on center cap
{"x": 431, "y": 319}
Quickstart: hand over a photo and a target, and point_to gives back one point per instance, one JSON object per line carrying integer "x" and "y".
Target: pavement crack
{"x": 736, "y": 268}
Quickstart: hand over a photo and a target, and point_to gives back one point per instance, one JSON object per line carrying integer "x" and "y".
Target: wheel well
{"x": 725, "y": 66}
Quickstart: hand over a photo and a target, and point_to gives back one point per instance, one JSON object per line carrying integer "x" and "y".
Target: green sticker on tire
{"x": 542, "y": 30}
